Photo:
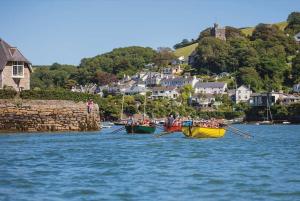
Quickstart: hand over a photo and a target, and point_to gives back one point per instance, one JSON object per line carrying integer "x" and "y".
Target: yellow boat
{"x": 203, "y": 132}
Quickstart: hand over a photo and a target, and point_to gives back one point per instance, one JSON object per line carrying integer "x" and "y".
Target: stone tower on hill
{"x": 219, "y": 32}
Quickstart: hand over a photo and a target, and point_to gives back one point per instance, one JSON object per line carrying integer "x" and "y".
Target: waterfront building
{"x": 15, "y": 69}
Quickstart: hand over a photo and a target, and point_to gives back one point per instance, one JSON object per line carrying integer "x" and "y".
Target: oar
{"x": 163, "y": 133}
{"x": 239, "y": 132}
{"x": 118, "y": 130}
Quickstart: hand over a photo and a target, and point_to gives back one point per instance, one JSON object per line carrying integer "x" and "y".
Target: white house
{"x": 179, "y": 81}
{"x": 296, "y": 88}
{"x": 164, "y": 92}
{"x": 211, "y": 87}
{"x": 138, "y": 88}
{"x": 241, "y": 94}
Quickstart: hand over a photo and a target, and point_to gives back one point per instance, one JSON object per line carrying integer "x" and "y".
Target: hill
{"x": 248, "y": 30}
{"x": 186, "y": 51}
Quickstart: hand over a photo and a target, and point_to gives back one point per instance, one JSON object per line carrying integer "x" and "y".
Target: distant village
{"x": 168, "y": 82}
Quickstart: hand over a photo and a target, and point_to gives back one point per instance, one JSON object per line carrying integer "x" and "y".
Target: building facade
{"x": 211, "y": 87}
{"x": 164, "y": 92}
{"x": 15, "y": 69}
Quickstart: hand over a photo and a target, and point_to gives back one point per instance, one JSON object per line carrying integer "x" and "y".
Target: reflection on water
{"x": 103, "y": 166}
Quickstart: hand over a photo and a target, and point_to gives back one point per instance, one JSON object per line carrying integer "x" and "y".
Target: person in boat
{"x": 130, "y": 121}
{"x": 170, "y": 120}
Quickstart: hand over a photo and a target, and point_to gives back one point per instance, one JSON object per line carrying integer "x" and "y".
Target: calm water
{"x": 103, "y": 166}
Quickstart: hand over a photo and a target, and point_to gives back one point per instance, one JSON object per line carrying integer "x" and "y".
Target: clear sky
{"x": 65, "y": 31}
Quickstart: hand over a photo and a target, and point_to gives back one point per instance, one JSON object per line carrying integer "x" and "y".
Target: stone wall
{"x": 47, "y": 115}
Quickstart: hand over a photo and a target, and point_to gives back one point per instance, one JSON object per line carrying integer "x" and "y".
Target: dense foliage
{"x": 57, "y": 94}
{"x": 261, "y": 60}
{"x": 120, "y": 61}
{"x": 7, "y": 93}
{"x": 54, "y": 76}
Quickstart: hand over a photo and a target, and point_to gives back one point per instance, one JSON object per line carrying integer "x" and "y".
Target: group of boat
{"x": 195, "y": 129}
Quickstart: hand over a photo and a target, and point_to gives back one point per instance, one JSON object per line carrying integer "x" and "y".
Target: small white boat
{"x": 264, "y": 123}
{"x": 286, "y": 122}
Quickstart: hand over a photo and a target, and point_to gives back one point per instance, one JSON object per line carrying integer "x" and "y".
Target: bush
{"x": 7, "y": 94}
{"x": 58, "y": 95}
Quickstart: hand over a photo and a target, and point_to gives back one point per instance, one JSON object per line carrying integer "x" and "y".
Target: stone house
{"x": 15, "y": 69}
{"x": 164, "y": 92}
{"x": 211, "y": 87}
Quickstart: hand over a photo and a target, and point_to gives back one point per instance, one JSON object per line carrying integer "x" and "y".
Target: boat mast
{"x": 121, "y": 116}
{"x": 144, "y": 108}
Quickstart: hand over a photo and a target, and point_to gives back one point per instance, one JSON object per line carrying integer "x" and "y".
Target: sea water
{"x": 105, "y": 166}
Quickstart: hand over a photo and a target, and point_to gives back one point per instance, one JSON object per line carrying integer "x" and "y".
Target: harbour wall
{"x": 19, "y": 115}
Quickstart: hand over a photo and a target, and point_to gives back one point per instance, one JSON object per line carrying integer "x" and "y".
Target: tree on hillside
{"x": 273, "y": 36}
{"x": 213, "y": 55}
{"x": 186, "y": 92}
{"x": 120, "y": 61}
{"x": 205, "y": 33}
{"x": 249, "y": 76}
{"x": 232, "y": 32}
{"x": 296, "y": 69}
{"x": 183, "y": 43}
{"x": 103, "y": 78}
{"x": 164, "y": 56}
{"x": 293, "y": 26}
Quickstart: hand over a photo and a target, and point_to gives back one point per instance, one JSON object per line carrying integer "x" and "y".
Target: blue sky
{"x": 65, "y": 31}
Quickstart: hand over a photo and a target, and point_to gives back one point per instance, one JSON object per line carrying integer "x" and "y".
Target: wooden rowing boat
{"x": 202, "y": 132}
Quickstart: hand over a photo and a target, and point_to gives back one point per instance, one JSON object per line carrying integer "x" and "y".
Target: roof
{"x": 136, "y": 89}
{"x": 178, "y": 79}
{"x": 9, "y": 53}
{"x": 210, "y": 84}
{"x": 163, "y": 88}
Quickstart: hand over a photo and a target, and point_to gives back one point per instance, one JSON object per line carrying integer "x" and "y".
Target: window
{"x": 18, "y": 69}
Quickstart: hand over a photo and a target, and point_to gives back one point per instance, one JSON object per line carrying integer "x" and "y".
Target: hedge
{"x": 7, "y": 94}
{"x": 58, "y": 95}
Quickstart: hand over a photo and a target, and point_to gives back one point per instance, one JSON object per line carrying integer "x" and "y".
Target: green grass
{"x": 186, "y": 51}
{"x": 249, "y": 30}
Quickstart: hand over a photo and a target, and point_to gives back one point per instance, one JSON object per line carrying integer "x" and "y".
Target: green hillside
{"x": 186, "y": 51}
{"x": 248, "y": 31}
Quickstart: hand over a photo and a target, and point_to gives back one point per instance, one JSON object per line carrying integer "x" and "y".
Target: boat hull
{"x": 171, "y": 129}
{"x": 201, "y": 132}
{"x": 140, "y": 129}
